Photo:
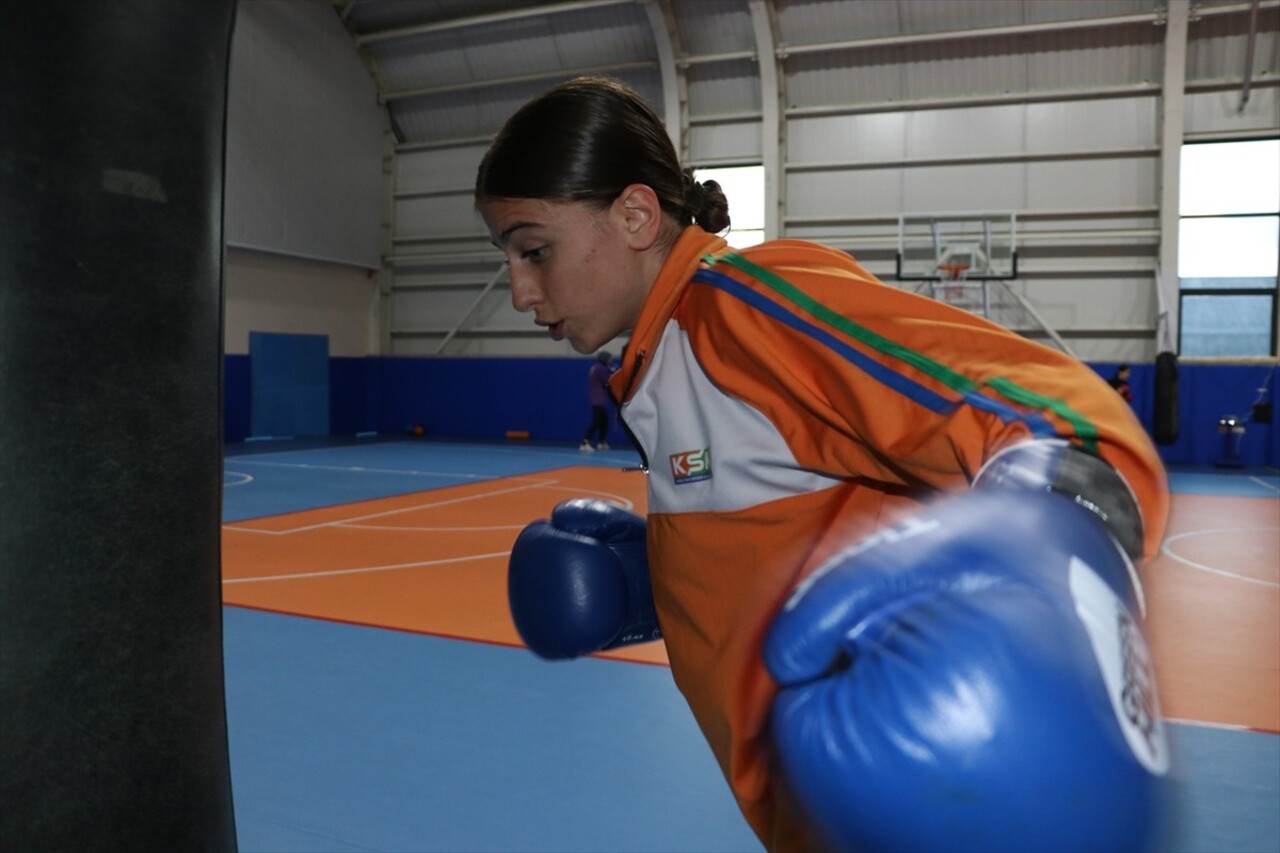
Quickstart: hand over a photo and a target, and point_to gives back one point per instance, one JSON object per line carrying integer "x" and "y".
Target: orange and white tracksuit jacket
{"x": 788, "y": 403}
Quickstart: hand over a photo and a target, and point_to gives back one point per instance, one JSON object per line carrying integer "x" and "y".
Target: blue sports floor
{"x": 353, "y": 738}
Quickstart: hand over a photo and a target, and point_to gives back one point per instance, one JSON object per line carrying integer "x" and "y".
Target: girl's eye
{"x": 533, "y": 254}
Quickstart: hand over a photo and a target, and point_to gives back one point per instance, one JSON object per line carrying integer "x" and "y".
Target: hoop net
{"x": 953, "y": 272}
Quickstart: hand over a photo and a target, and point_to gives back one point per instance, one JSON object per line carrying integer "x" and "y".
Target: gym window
{"x": 1229, "y": 248}
{"x": 744, "y": 188}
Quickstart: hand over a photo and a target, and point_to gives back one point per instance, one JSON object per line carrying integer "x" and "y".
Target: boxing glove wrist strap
{"x": 1090, "y": 482}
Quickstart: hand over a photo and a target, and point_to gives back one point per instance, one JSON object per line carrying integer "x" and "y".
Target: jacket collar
{"x": 664, "y": 295}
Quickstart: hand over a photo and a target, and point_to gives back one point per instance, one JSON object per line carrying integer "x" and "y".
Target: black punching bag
{"x": 1165, "y": 421}
{"x": 112, "y": 711}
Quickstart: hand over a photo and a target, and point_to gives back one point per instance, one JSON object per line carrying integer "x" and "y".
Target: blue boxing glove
{"x": 579, "y": 583}
{"x": 1054, "y": 465}
{"x": 972, "y": 678}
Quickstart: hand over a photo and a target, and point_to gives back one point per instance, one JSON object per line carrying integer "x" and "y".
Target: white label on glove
{"x": 1125, "y": 662}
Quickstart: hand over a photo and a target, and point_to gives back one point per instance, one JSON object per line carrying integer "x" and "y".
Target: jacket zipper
{"x": 626, "y": 392}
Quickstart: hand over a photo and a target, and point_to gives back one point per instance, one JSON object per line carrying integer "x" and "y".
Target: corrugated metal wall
{"x": 1047, "y": 108}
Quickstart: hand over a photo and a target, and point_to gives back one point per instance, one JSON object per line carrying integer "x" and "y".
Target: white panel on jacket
{"x": 707, "y": 450}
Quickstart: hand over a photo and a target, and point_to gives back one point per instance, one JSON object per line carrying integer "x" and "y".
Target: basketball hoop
{"x": 953, "y": 272}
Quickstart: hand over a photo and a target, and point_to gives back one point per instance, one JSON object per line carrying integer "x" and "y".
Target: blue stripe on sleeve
{"x": 888, "y": 377}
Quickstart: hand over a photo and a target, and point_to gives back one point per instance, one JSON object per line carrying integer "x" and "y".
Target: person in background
{"x": 1120, "y": 382}
{"x": 598, "y": 397}
{"x": 888, "y": 542}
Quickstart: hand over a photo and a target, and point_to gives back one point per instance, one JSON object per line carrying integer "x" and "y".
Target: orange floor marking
{"x": 1214, "y": 605}
{"x": 435, "y": 562}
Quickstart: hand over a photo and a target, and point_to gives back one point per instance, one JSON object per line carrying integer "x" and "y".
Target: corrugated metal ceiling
{"x": 454, "y": 69}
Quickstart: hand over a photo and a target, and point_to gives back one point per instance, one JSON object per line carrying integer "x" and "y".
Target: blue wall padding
{"x": 235, "y": 398}
{"x": 352, "y": 408}
{"x": 289, "y": 385}
{"x": 1209, "y": 391}
{"x": 1206, "y": 392}
{"x": 485, "y": 397}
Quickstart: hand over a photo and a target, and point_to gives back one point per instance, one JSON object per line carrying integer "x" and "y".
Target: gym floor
{"x": 379, "y": 697}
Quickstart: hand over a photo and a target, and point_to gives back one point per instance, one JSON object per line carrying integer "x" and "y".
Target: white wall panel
{"x": 1037, "y": 11}
{"x": 716, "y": 143}
{"x": 865, "y": 76}
{"x": 1218, "y": 112}
{"x": 1091, "y": 304}
{"x": 954, "y": 69}
{"x": 922, "y": 16}
{"x": 304, "y": 137}
{"x": 981, "y": 186}
{"x": 416, "y": 312}
{"x": 1109, "y": 56}
{"x": 1217, "y": 46}
{"x": 975, "y": 131}
{"x": 875, "y": 136}
{"x": 272, "y": 293}
{"x": 1092, "y": 125}
{"x": 438, "y": 216}
{"x": 441, "y": 168}
{"x": 1093, "y": 184}
{"x": 442, "y": 308}
{"x": 724, "y": 87}
{"x": 853, "y": 192}
{"x": 714, "y": 26}
{"x": 807, "y": 22}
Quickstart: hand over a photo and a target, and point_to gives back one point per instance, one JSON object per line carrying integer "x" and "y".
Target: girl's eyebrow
{"x": 509, "y": 231}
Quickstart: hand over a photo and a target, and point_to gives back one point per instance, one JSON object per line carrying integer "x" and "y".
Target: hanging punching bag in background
{"x": 1165, "y": 426}
{"x": 112, "y": 712}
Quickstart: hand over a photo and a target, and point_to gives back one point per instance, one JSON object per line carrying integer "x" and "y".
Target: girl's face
{"x": 572, "y": 265}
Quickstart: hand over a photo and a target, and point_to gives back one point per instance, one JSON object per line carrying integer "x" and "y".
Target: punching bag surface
{"x": 112, "y": 712}
{"x": 1165, "y": 426}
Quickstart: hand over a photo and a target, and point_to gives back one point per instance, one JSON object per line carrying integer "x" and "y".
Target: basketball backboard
{"x": 978, "y": 246}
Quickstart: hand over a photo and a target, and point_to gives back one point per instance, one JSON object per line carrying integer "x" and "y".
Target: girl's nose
{"x": 524, "y": 292}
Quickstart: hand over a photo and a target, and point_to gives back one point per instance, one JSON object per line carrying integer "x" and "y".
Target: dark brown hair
{"x": 588, "y": 139}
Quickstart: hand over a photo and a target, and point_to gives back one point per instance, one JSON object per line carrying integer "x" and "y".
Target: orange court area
{"x": 1213, "y": 598}
{"x": 435, "y": 562}
{"x": 432, "y": 562}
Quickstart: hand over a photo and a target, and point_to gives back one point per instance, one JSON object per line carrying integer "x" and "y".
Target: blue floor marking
{"x": 1246, "y": 483}
{"x": 1226, "y": 790}
{"x": 349, "y": 738}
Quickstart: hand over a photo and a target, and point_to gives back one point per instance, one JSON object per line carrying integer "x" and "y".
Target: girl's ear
{"x": 640, "y": 214}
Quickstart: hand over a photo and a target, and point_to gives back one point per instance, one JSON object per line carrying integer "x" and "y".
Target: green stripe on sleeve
{"x": 1084, "y": 428}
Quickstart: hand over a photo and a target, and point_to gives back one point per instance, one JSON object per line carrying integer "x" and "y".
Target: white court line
{"x": 619, "y": 500}
{"x": 1164, "y": 549}
{"x": 1265, "y": 484}
{"x": 392, "y": 568}
{"x": 346, "y": 526}
{"x": 339, "y": 522}
{"x": 566, "y": 454}
{"x": 247, "y": 478}
{"x": 363, "y": 470}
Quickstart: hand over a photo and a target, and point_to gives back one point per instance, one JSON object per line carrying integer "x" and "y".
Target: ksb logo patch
{"x": 691, "y": 466}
